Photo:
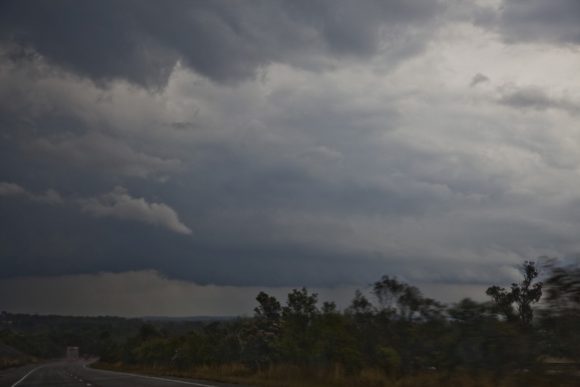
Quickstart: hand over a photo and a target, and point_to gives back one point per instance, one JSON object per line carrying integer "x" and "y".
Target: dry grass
{"x": 9, "y": 362}
{"x": 292, "y": 376}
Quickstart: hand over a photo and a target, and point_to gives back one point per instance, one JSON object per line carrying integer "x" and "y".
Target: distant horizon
{"x": 242, "y": 299}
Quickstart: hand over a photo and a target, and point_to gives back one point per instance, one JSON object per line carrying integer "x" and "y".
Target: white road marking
{"x": 25, "y": 376}
{"x": 152, "y": 377}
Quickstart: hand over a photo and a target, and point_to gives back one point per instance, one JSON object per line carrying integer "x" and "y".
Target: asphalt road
{"x": 79, "y": 375}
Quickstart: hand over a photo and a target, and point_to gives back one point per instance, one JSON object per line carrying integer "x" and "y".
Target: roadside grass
{"x": 10, "y": 362}
{"x": 293, "y": 376}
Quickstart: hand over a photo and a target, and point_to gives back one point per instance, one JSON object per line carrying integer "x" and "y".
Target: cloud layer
{"x": 304, "y": 143}
{"x": 222, "y": 40}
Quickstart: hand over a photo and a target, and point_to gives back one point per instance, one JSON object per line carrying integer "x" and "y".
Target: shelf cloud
{"x": 119, "y": 204}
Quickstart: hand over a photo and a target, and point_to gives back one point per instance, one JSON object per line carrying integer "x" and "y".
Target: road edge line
{"x": 27, "y": 375}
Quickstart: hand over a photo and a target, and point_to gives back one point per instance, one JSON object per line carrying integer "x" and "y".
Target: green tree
{"x": 561, "y": 318}
{"x": 405, "y": 300}
{"x": 262, "y": 336}
{"x": 335, "y": 340}
{"x": 298, "y": 329}
{"x": 268, "y": 312}
{"x": 523, "y": 295}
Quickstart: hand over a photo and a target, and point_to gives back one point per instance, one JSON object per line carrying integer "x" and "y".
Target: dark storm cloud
{"x": 291, "y": 155}
{"x": 307, "y": 207}
{"x": 535, "y": 98}
{"x": 477, "y": 79}
{"x": 554, "y": 21}
{"x": 72, "y": 245}
{"x": 226, "y": 41}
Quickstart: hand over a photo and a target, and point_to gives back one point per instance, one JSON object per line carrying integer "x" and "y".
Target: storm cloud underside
{"x": 281, "y": 144}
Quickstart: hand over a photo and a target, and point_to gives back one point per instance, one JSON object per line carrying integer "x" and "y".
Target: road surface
{"x": 79, "y": 375}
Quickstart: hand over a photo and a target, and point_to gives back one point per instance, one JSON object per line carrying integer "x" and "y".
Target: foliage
{"x": 390, "y": 335}
{"x": 523, "y": 295}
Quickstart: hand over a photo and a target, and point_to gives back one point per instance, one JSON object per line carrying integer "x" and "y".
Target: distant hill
{"x": 48, "y": 336}
{"x": 189, "y": 318}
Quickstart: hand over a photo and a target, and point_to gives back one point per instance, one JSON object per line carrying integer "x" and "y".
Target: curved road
{"x": 79, "y": 375}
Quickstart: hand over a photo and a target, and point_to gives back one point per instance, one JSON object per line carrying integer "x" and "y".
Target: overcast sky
{"x": 177, "y": 157}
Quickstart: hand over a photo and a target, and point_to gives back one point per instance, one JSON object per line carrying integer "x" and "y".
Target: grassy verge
{"x": 10, "y": 362}
{"x": 292, "y": 376}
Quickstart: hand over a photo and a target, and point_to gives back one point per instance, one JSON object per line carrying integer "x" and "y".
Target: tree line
{"x": 394, "y": 330}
